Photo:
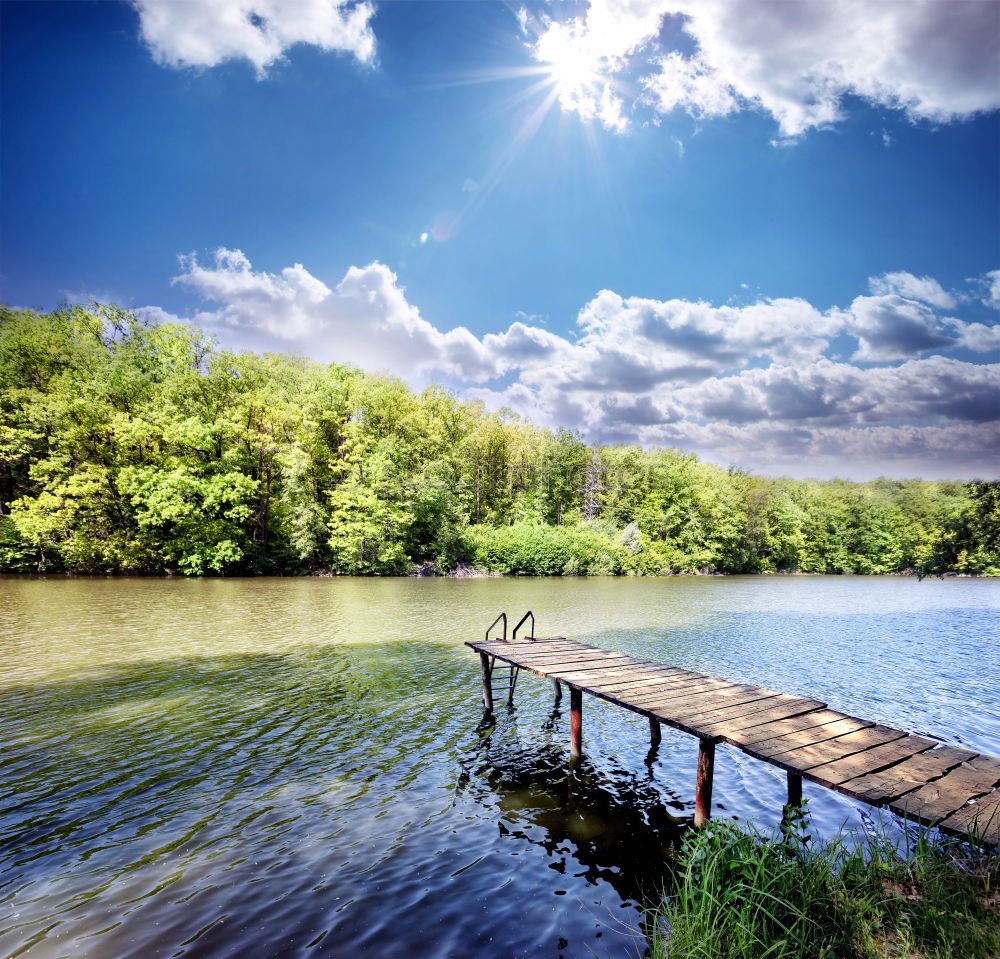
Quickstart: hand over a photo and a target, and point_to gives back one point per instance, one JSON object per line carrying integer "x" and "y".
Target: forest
{"x": 134, "y": 446}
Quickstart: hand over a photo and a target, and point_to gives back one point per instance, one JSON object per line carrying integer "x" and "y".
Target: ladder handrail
{"x": 502, "y": 616}
{"x": 531, "y": 637}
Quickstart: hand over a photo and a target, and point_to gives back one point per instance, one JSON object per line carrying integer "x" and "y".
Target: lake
{"x": 297, "y": 767}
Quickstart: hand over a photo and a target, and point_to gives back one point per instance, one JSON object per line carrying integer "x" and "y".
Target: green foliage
{"x": 16, "y": 554}
{"x": 534, "y": 549}
{"x": 745, "y": 895}
{"x": 133, "y": 446}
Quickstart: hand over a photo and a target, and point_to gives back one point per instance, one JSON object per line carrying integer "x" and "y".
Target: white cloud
{"x": 748, "y": 384}
{"x": 930, "y": 390}
{"x": 689, "y": 84}
{"x": 922, "y": 288}
{"x": 910, "y": 450}
{"x": 933, "y": 59}
{"x": 992, "y": 283}
{"x": 366, "y": 320}
{"x": 976, "y": 336}
{"x": 891, "y": 327}
{"x": 204, "y": 33}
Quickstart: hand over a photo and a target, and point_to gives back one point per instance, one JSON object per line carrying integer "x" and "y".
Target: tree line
{"x": 134, "y": 446}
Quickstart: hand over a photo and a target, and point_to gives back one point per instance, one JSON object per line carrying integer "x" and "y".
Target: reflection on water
{"x": 278, "y": 767}
{"x": 614, "y": 825}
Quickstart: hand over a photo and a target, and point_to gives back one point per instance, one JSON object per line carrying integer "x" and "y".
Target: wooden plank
{"x": 643, "y": 676}
{"x": 698, "y": 708}
{"x": 696, "y": 685}
{"x": 561, "y": 656}
{"x": 701, "y": 723}
{"x": 704, "y": 727}
{"x": 611, "y": 679}
{"x": 877, "y": 788}
{"x": 940, "y": 799}
{"x": 782, "y": 727}
{"x": 530, "y": 648}
{"x": 506, "y": 656}
{"x": 566, "y": 671}
{"x": 548, "y": 647}
{"x": 714, "y": 714}
{"x": 594, "y": 683}
{"x": 679, "y": 693}
{"x": 728, "y": 721}
{"x": 543, "y": 667}
{"x": 812, "y": 736}
{"x": 547, "y": 669}
{"x": 871, "y": 760}
{"x": 704, "y": 700}
{"x": 979, "y": 819}
{"x": 506, "y": 651}
{"x": 615, "y": 692}
{"x": 581, "y": 665}
{"x": 669, "y": 674}
{"x": 665, "y": 683}
{"x": 534, "y": 652}
{"x": 805, "y": 757}
{"x": 487, "y": 646}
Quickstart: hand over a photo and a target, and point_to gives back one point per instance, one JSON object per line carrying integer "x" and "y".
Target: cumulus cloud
{"x": 977, "y": 337}
{"x": 891, "y": 327}
{"x": 634, "y": 343}
{"x": 931, "y": 452}
{"x": 922, "y": 288}
{"x": 754, "y": 384}
{"x": 934, "y": 389}
{"x": 208, "y": 32}
{"x": 933, "y": 59}
{"x": 365, "y": 320}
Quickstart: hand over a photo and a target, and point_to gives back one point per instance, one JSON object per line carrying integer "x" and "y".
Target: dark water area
{"x": 280, "y": 767}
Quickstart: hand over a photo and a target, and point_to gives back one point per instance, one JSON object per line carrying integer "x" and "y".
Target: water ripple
{"x": 297, "y": 768}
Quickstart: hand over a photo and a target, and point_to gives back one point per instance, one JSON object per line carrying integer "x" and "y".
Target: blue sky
{"x": 766, "y": 232}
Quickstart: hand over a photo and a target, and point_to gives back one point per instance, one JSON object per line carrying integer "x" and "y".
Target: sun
{"x": 570, "y": 65}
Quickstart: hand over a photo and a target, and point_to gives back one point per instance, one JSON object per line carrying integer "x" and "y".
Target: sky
{"x": 766, "y": 232}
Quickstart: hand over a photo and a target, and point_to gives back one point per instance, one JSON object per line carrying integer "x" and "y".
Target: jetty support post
{"x": 558, "y": 690}
{"x": 794, "y": 795}
{"x": 575, "y": 722}
{"x": 487, "y": 682}
{"x": 654, "y": 731}
{"x": 703, "y": 788}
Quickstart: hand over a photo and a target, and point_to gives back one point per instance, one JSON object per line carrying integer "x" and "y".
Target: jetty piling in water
{"x": 703, "y": 786}
{"x": 655, "y": 733}
{"x": 919, "y": 778}
{"x": 575, "y": 722}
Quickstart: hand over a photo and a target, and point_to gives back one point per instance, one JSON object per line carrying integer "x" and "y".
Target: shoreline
{"x": 466, "y": 572}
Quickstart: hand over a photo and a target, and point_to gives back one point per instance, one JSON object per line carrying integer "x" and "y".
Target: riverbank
{"x": 743, "y": 894}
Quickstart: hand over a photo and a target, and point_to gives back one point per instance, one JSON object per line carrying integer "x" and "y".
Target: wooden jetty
{"x": 918, "y": 778}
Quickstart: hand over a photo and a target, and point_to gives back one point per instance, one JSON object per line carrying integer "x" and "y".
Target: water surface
{"x": 297, "y": 767}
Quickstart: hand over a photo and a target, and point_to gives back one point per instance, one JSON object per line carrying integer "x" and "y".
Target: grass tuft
{"x": 743, "y": 894}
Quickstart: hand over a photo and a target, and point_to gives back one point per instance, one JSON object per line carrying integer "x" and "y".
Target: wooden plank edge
{"x": 880, "y": 798}
{"x": 821, "y": 775}
{"x": 748, "y": 747}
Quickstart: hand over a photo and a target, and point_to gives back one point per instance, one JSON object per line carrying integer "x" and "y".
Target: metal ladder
{"x": 513, "y": 671}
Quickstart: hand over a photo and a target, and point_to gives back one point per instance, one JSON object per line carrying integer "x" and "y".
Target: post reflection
{"x": 597, "y": 823}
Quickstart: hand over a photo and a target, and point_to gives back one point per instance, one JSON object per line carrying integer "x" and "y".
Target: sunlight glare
{"x": 572, "y": 67}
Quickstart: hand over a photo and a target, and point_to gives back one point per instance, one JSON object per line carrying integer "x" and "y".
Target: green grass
{"x": 741, "y": 893}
